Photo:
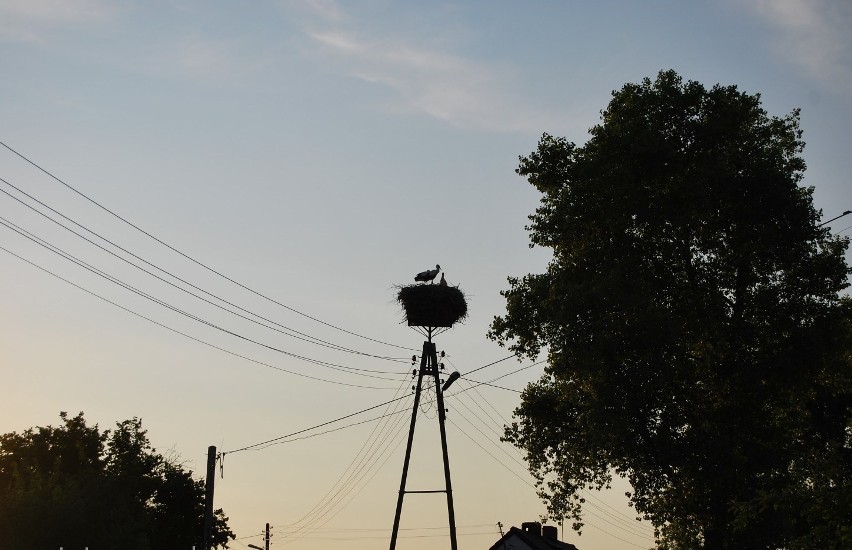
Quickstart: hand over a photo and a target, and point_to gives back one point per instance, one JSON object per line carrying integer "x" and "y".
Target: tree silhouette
{"x": 691, "y": 314}
{"x": 75, "y": 486}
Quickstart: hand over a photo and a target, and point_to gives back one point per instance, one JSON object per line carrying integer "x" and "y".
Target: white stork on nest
{"x": 443, "y": 281}
{"x": 428, "y": 275}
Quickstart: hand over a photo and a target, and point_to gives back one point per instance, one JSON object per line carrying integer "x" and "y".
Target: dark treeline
{"x": 76, "y": 486}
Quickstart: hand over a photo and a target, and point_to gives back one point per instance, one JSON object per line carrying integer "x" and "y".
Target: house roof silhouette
{"x": 530, "y": 538}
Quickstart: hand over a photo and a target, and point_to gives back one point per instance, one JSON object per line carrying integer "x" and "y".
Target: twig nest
{"x": 432, "y": 305}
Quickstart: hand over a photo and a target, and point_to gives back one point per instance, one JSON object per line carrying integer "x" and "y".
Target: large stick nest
{"x": 432, "y": 305}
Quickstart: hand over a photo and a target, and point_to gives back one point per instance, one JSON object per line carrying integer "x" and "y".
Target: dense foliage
{"x": 74, "y": 486}
{"x": 697, "y": 340}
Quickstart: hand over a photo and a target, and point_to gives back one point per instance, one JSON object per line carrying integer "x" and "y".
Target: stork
{"x": 428, "y": 275}
{"x": 443, "y": 281}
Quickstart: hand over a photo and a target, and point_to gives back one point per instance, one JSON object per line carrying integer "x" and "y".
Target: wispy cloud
{"x": 199, "y": 55}
{"x": 27, "y": 20}
{"x": 206, "y": 60}
{"x": 428, "y": 80}
{"x": 815, "y": 35}
{"x": 329, "y": 10}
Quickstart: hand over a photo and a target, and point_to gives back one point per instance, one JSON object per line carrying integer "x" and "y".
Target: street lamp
{"x": 453, "y": 377}
{"x": 836, "y": 217}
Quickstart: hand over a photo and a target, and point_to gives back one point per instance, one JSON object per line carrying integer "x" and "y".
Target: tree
{"x": 74, "y": 486}
{"x": 697, "y": 341}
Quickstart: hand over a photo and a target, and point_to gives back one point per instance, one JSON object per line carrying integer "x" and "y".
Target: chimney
{"x": 550, "y": 532}
{"x": 531, "y": 527}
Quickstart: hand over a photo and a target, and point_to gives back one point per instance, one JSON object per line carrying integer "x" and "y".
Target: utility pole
{"x": 265, "y": 539}
{"x": 208, "y": 497}
{"x": 428, "y": 366}
{"x": 430, "y": 309}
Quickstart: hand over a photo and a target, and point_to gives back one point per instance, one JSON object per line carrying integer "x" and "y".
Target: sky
{"x": 294, "y": 161}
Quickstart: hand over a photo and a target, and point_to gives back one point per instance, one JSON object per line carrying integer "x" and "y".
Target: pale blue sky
{"x": 322, "y": 152}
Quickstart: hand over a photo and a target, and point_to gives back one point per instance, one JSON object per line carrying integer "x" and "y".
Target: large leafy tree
{"x": 74, "y": 486}
{"x": 692, "y": 315}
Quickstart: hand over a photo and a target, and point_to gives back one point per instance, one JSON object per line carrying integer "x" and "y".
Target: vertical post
{"x": 267, "y": 537}
{"x": 423, "y": 365}
{"x": 208, "y": 497}
{"x": 441, "y": 419}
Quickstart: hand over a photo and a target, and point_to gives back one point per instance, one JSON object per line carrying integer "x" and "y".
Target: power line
{"x": 489, "y": 365}
{"x": 846, "y": 213}
{"x": 471, "y": 411}
{"x": 487, "y": 402}
{"x": 131, "y": 288}
{"x": 386, "y": 530}
{"x": 629, "y": 522}
{"x": 352, "y": 475}
{"x": 193, "y": 260}
{"x": 619, "y": 515}
{"x": 477, "y": 384}
{"x": 388, "y": 450}
{"x": 199, "y": 340}
{"x": 310, "y": 436}
{"x": 490, "y": 385}
{"x": 486, "y": 451}
{"x": 350, "y": 415}
{"x": 399, "y": 536}
{"x": 301, "y": 335}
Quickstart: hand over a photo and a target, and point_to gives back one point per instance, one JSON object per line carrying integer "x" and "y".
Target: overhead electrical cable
{"x": 324, "y": 533}
{"x": 619, "y": 515}
{"x": 510, "y": 470}
{"x": 386, "y": 530}
{"x": 489, "y": 383}
{"x": 486, "y": 451}
{"x": 488, "y": 365}
{"x": 386, "y": 413}
{"x": 481, "y": 397}
{"x": 356, "y": 470}
{"x": 193, "y": 260}
{"x": 326, "y": 538}
{"x": 385, "y": 459}
{"x": 131, "y": 288}
{"x": 185, "y": 335}
{"x": 331, "y": 430}
{"x": 489, "y": 426}
{"x": 629, "y": 524}
{"x": 595, "y": 322}
{"x": 296, "y": 334}
{"x": 350, "y": 415}
{"x": 390, "y": 445}
{"x": 487, "y": 402}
